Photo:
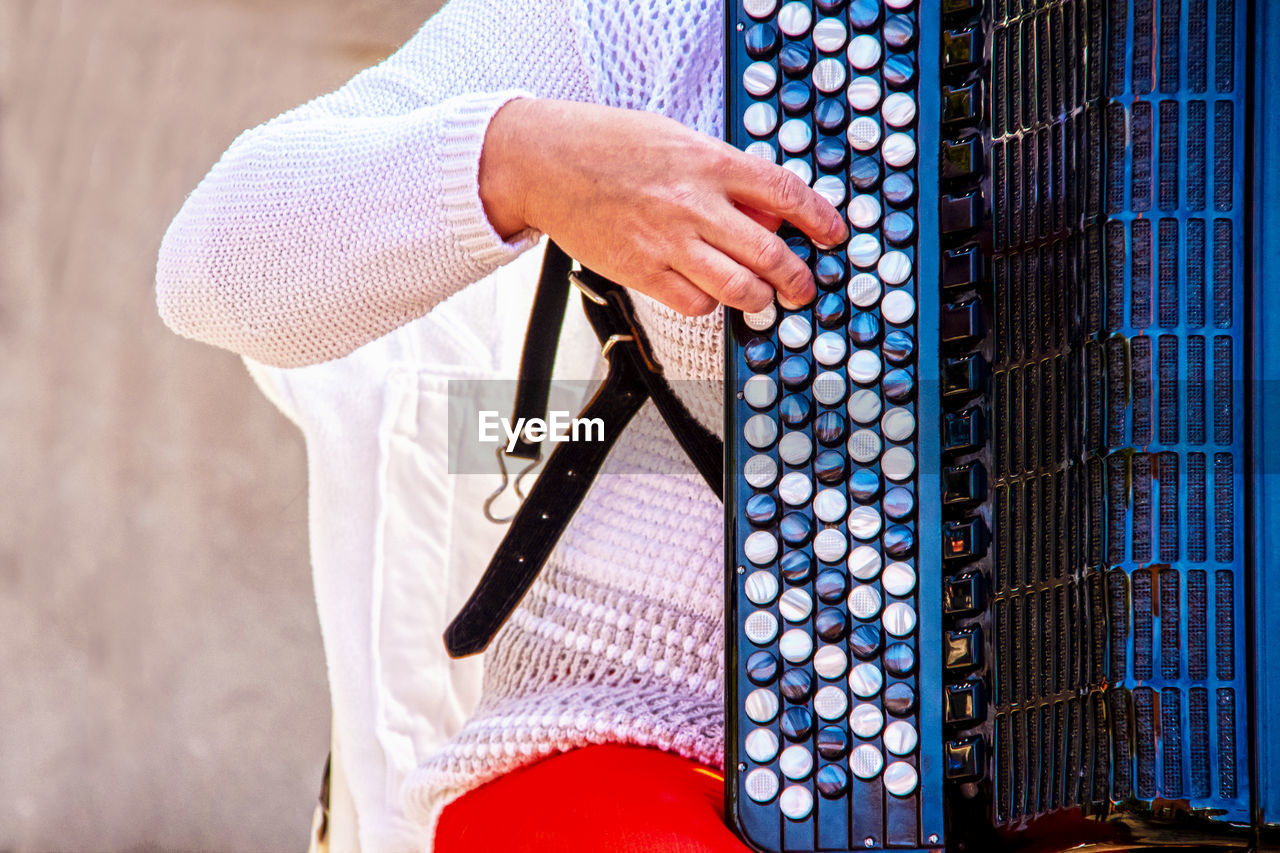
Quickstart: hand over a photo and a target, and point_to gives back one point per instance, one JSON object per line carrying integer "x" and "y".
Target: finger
{"x": 728, "y": 281}
{"x": 737, "y": 235}
{"x": 776, "y": 191}
{"x": 675, "y": 291}
{"x": 767, "y": 220}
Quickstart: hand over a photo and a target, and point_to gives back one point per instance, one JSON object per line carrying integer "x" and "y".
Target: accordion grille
{"x": 1115, "y": 180}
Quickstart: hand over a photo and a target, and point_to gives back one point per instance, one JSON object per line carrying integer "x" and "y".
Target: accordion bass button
{"x": 796, "y": 97}
{"x": 829, "y": 34}
{"x": 761, "y": 510}
{"x": 762, "y": 668}
{"x": 866, "y": 761}
{"x": 964, "y": 540}
{"x": 760, "y": 588}
{"x": 759, "y": 9}
{"x": 833, "y": 743}
{"x": 864, "y": 14}
{"x": 830, "y": 467}
{"x": 761, "y": 705}
{"x": 962, "y": 648}
{"x": 795, "y": 19}
{"x": 762, "y": 42}
{"x": 761, "y": 784}
{"x": 795, "y": 59}
{"x": 760, "y": 471}
{"x": 796, "y": 567}
{"x": 831, "y": 586}
{"x": 900, "y": 738}
{"x": 796, "y": 802}
{"x": 831, "y": 781}
{"x": 899, "y": 31}
{"x": 796, "y": 686}
{"x": 901, "y": 779}
{"x": 864, "y": 641}
{"x": 761, "y": 746}
{"x": 796, "y": 762}
{"x": 866, "y": 680}
{"x": 831, "y": 625}
{"x": 760, "y": 119}
{"x": 965, "y": 705}
{"x": 866, "y": 721}
{"x": 796, "y": 723}
{"x": 899, "y": 699}
{"x": 760, "y": 79}
{"x": 963, "y": 595}
{"x": 965, "y": 759}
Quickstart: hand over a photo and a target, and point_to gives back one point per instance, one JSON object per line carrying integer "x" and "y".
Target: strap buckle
{"x": 516, "y": 484}
{"x": 621, "y": 309}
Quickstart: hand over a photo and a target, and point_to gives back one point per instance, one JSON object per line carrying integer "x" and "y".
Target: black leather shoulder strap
{"x": 632, "y": 379}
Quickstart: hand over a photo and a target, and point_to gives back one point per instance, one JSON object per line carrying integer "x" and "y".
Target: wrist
{"x": 504, "y": 167}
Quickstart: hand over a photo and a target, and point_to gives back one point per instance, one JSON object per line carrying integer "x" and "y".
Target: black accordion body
{"x": 1000, "y": 504}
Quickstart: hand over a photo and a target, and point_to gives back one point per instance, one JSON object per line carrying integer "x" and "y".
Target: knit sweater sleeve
{"x": 341, "y": 220}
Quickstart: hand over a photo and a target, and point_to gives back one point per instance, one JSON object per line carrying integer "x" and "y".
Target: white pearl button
{"x": 864, "y": 446}
{"x": 864, "y": 250}
{"x": 760, "y": 547}
{"x": 894, "y": 267}
{"x": 760, "y": 119}
{"x": 759, "y": 8}
{"x": 866, "y": 680}
{"x": 760, "y": 391}
{"x": 760, "y": 471}
{"x": 864, "y": 212}
{"x": 829, "y": 388}
{"x": 899, "y": 579}
{"x": 864, "y": 563}
{"x": 830, "y": 545}
{"x": 899, "y": 619}
{"x": 898, "y": 5}
{"x": 830, "y": 506}
{"x": 864, "y": 602}
{"x": 794, "y": 332}
{"x": 794, "y": 19}
{"x": 761, "y": 746}
{"x": 796, "y": 802}
{"x": 829, "y": 35}
{"x": 866, "y": 720}
{"x": 900, "y": 738}
{"x": 760, "y": 431}
{"x": 830, "y": 703}
{"x": 864, "y": 52}
{"x": 761, "y": 705}
{"x": 796, "y": 762}
{"x": 898, "y": 110}
{"x": 864, "y": 367}
{"x": 830, "y": 662}
{"x": 762, "y": 150}
{"x": 828, "y": 75}
{"x": 760, "y": 627}
{"x": 829, "y": 349}
{"x": 795, "y": 488}
{"x": 761, "y": 784}
{"x": 759, "y": 79}
{"x": 898, "y": 463}
{"x": 831, "y": 188}
{"x": 796, "y": 645}
{"x": 864, "y": 523}
{"x": 863, "y": 93}
{"x": 898, "y": 424}
{"x": 899, "y": 150}
{"x": 761, "y": 320}
{"x": 795, "y": 136}
{"x": 864, "y": 406}
{"x": 795, "y": 448}
{"x": 866, "y": 761}
{"x": 863, "y": 133}
{"x": 864, "y": 288}
{"x": 795, "y": 605}
{"x": 900, "y": 778}
{"x": 800, "y": 169}
{"x": 898, "y": 307}
{"x": 760, "y": 587}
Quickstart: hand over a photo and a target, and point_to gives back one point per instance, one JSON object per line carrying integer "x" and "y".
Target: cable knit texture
{"x": 344, "y": 219}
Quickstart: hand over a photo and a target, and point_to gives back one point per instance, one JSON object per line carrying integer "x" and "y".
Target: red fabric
{"x": 598, "y": 799}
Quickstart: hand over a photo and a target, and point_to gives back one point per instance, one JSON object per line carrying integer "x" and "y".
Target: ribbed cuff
{"x": 463, "y": 132}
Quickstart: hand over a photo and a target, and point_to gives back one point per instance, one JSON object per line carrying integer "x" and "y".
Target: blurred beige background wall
{"x": 162, "y": 684}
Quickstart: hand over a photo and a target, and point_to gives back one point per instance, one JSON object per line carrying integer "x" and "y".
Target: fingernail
{"x": 839, "y": 229}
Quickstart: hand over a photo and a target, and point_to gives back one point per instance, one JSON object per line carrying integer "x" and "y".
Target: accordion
{"x": 1001, "y": 517}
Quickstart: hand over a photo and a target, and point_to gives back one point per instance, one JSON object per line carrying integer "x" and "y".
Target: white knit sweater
{"x": 348, "y": 217}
